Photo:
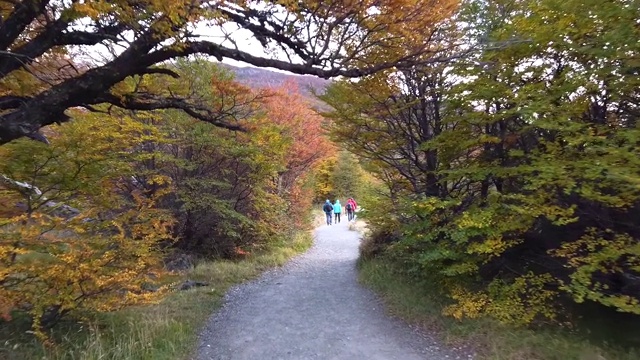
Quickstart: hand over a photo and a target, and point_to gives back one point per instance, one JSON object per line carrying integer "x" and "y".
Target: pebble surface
{"x": 314, "y": 308}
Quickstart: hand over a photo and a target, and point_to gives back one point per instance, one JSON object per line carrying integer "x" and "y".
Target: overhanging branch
{"x": 162, "y": 71}
{"x": 220, "y": 52}
{"x": 88, "y": 38}
{"x": 262, "y": 32}
{"x": 148, "y": 102}
{"x": 159, "y": 38}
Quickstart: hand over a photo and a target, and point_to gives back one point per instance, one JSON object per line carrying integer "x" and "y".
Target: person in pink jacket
{"x": 351, "y": 207}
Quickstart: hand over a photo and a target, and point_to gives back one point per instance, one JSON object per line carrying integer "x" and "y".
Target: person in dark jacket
{"x": 327, "y": 208}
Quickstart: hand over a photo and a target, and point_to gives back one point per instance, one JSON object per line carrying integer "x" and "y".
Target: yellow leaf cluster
{"x": 520, "y": 301}
{"x": 98, "y": 260}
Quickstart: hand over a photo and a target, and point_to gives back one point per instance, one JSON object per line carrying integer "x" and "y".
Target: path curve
{"x": 313, "y": 308}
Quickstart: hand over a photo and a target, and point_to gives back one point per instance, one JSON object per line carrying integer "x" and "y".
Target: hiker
{"x": 327, "y": 208}
{"x": 337, "y": 209}
{"x": 351, "y": 208}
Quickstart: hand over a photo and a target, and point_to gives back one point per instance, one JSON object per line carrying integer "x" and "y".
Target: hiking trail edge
{"x": 314, "y": 308}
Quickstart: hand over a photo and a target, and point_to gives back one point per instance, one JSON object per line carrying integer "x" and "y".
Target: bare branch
{"x": 148, "y": 102}
{"x": 262, "y": 33}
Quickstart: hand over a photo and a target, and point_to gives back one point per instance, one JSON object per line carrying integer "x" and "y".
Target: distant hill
{"x": 258, "y": 78}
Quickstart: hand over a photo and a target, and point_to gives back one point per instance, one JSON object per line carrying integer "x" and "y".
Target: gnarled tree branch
{"x": 148, "y": 102}
{"x": 161, "y": 35}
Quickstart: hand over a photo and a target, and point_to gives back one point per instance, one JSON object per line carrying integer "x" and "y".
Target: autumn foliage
{"x": 119, "y": 40}
{"x": 512, "y": 173}
{"x": 88, "y": 220}
{"x": 52, "y": 260}
{"x": 307, "y": 146}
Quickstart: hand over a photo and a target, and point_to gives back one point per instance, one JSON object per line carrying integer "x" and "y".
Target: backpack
{"x": 348, "y": 207}
{"x": 327, "y": 208}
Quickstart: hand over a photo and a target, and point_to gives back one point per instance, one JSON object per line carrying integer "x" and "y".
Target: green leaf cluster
{"x": 516, "y": 168}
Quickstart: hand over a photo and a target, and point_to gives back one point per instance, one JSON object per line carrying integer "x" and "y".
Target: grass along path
{"x": 314, "y": 308}
{"x": 417, "y": 304}
{"x": 167, "y": 330}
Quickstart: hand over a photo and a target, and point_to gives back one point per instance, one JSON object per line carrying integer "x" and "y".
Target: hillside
{"x": 262, "y": 78}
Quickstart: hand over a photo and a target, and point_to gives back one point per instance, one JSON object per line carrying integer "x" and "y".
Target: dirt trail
{"x": 313, "y": 308}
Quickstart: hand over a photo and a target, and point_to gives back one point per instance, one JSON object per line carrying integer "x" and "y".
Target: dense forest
{"x": 512, "y": 173}
{"x": 95, "y": 213}
{"x": 497, "y": 144}
{"x": 122, "y": 143}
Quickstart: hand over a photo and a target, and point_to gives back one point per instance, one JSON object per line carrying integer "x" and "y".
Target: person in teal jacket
{"x": 337, "y": 209}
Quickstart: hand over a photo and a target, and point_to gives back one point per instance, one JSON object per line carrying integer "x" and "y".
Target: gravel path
{"x": 313, "y": 308}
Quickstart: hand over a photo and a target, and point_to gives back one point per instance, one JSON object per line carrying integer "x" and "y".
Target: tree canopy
{"x": 92, "y": 221}
{"x": 41, "y": 42}
{"x": 512, "y": 174}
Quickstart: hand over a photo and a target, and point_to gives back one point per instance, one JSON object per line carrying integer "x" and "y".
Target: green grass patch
{"x": 421, "y": 305}
{"x": 167, "y": 330}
